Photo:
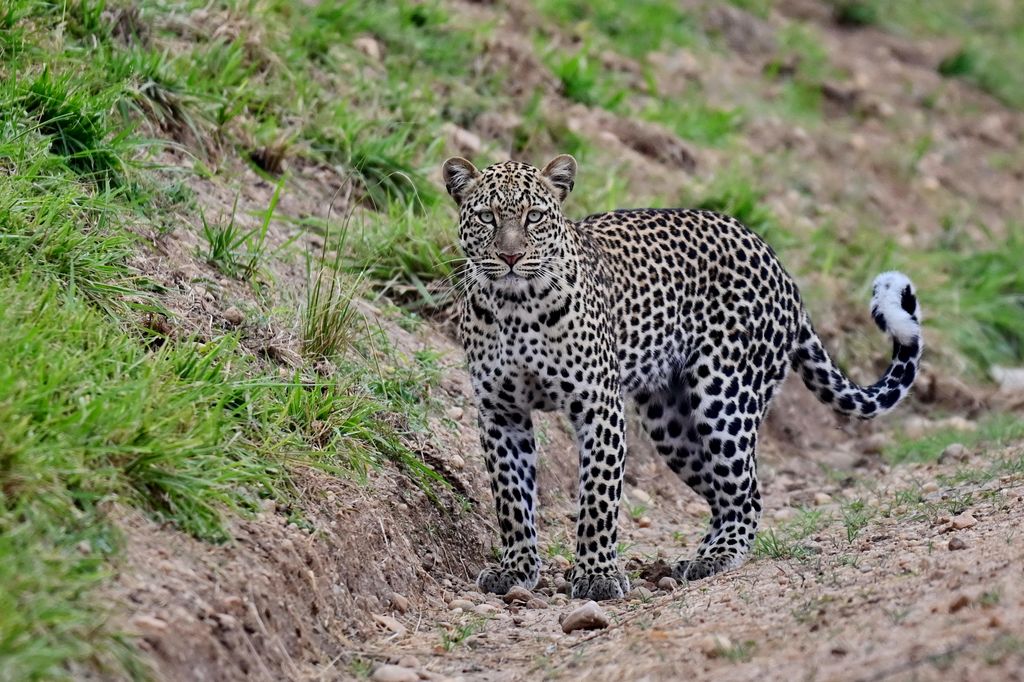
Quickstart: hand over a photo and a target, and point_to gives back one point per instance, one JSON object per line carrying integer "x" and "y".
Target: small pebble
{"x": 234, "y": 316}
{"x": 956, "y": 543}
{"x": 784, "y": 514}
{"x": 399, "y": 602}
{"x": 517, "y": 594}
{"x": 226, "y": 621}
{"x": 590, "y": 616}
{"x": 696, "y": 509}
{"x": 150, "y": 623}
{"x": 960, "y": 602}
{"x": 560, "y": 562}
{"x": 955, "y": 451}
{"x": 963, "y": 521}
{"x": 368, "y": 46}
{"x": 641, "y": 593}
{"x": 394, "y": 673}
{"x": 409, "y": 662}
{"x": 389, "y": 623}
{"x": 714, "y": 646}
{"x": 641, "y": 496}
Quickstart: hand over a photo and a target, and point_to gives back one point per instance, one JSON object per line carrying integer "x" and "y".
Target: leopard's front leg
{"x": 506, "y": 434}
{"x": 600, "y": 426}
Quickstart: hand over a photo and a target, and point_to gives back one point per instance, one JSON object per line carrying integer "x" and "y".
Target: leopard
{"x": 686, "y": 318}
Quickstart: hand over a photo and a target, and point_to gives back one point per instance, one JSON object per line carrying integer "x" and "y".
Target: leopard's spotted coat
{"x": 687, "y": 313}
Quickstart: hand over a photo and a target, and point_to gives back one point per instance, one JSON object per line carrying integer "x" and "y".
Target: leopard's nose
{"x": 511, "y": 258}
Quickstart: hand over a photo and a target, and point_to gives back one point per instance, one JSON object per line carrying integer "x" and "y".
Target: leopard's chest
{"x": 544, "y": 355}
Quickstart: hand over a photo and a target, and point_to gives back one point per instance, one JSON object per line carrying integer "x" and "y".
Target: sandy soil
{"x": 906, "y": 598}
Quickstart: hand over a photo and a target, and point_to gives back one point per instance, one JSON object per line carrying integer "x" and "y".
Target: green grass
{"x": 741, "y": 652}
{"x": 993, "y": 431}
{"x": 785, "y": 542}
{"x": 735, "y": 194}
{"x": 800, "y": 66}
{"x": 982, "y": 304}
{"x": 74, "y": 122}
{"x": 410, "y": 257}
{"x": 234, "y": 250}
{"x": 584, "y": 79}
{"x": 693, "y": 120}
{"x": 542, "y": 133}
{"x": 855, "y": 13}
{"x": 48, "y": 565}
{"x": 331, "y": 324}
{"x": 759, "y": 8}
{"x": 1011, "y": 464}
{"x": 991, "y": 35}
{"x": 648, "y": 25}
{"x": 95, "y": 410}
{"x": 378, "y": 156}
{"x": 769, "y": 545}
{"x": 458, "y": 634}
{"x": 90, "y": 419}
{"x": 856, "y": 515}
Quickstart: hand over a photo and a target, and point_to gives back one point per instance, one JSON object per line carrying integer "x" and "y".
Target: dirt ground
{"x": 909, "y": 597}
{"x": 911, "y": 572}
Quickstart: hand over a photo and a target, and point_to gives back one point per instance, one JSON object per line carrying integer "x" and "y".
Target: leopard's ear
{"x": 459, "y": 178}
{"x": 561, "y": 173}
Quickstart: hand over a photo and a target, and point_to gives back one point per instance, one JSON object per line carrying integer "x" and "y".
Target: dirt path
{"x": 906, "y": 573}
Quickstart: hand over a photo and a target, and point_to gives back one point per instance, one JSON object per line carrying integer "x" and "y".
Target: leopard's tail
{"x": 896, "y": 312}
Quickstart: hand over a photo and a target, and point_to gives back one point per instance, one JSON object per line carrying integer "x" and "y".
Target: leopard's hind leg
{"x": 705, "y": 426}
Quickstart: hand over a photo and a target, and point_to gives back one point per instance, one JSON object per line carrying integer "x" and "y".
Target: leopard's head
{"x": 511, "y": 226}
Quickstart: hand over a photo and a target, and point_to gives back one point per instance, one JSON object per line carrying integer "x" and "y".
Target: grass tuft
{"x": 379, "y": 159}
{"x": 855, "y": 13}
{"x": 584, "y": 80}
{"x": 331, "y": 324}
{"x": 648, "y": 25}
{"x": 696, "y": 121}
{"x": 993, "y": 431}
{"x": 77, "y": 127}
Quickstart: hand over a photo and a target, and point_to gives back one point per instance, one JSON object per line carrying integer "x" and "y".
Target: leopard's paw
{"x": 600, "y": 586}
{"x": 500, "y": 580}
{"x": 689, "y": 570}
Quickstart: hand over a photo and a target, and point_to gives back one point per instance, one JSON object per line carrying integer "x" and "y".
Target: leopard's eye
{"x": 486, "y": 217}
{"x": 533, "y": 217}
